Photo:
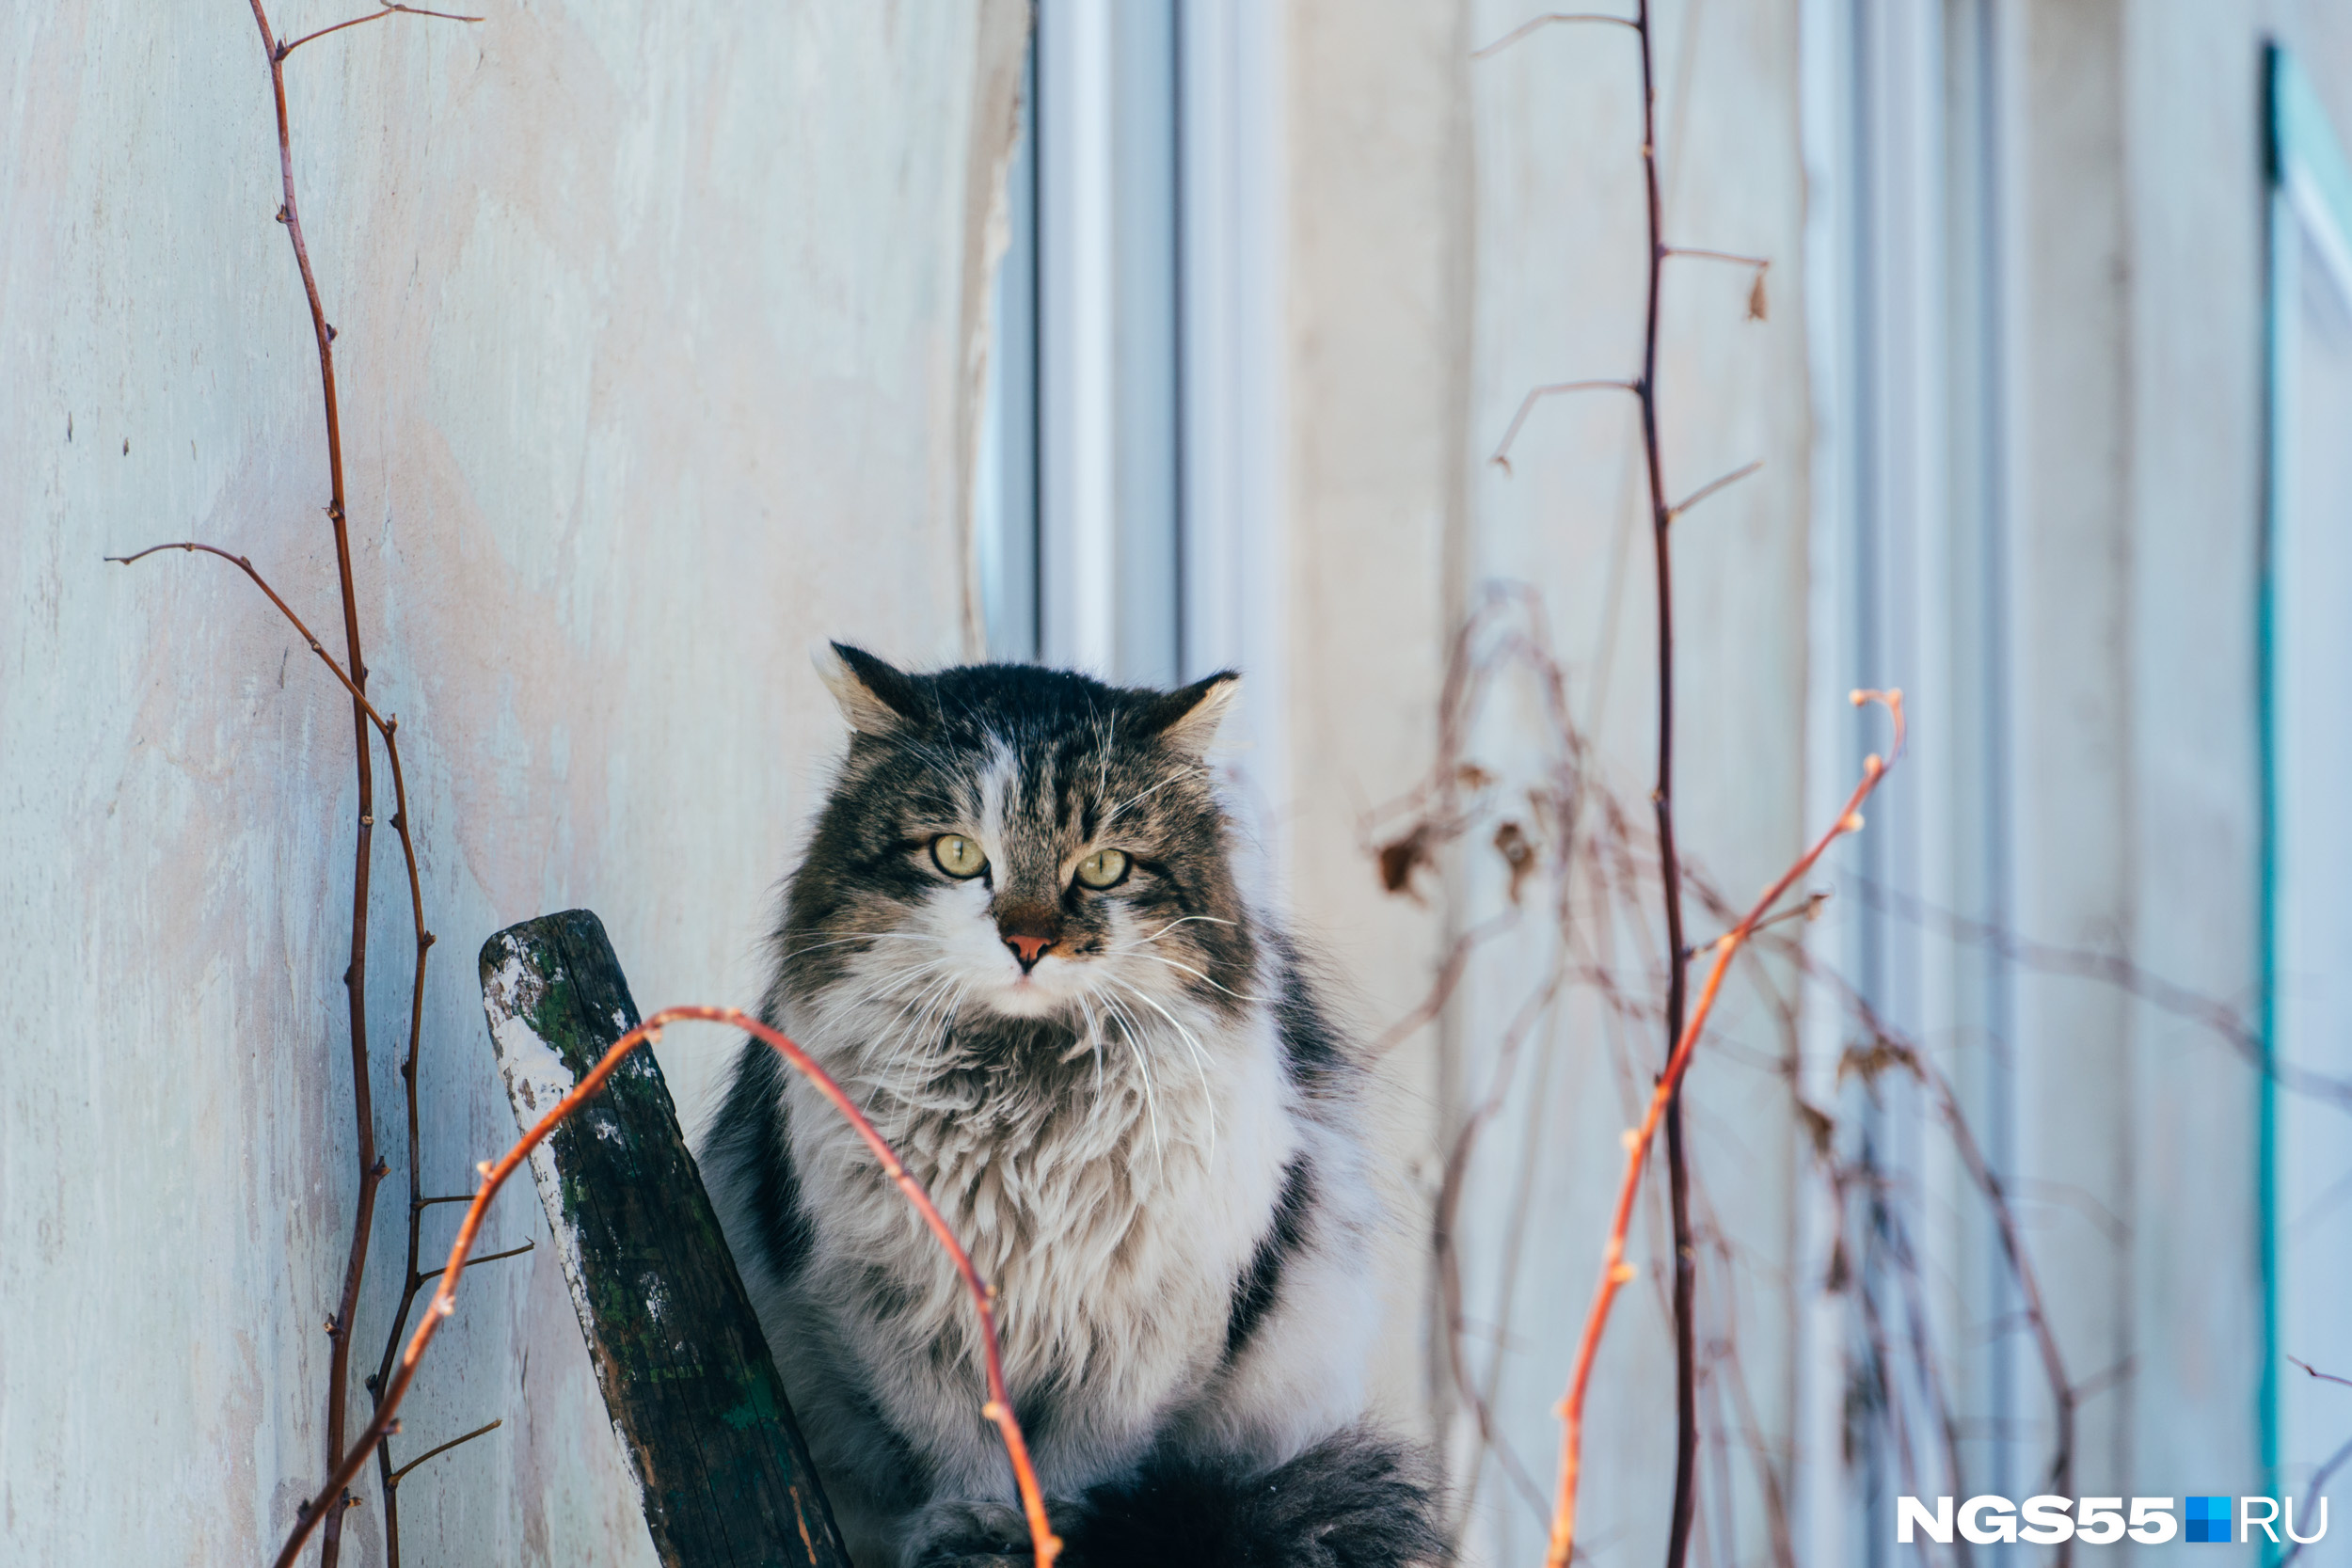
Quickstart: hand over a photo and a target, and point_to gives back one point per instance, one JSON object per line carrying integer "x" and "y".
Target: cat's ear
{"x": 1187, "y": 718}
{"x": 875, "y": 698}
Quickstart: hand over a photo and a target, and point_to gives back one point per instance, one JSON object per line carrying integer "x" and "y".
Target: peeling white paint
{"x": 536, "y": 1078}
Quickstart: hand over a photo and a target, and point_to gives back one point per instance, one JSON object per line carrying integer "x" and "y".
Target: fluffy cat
{"x": 1016, "y": 940}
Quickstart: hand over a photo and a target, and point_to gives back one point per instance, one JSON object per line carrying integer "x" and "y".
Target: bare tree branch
{"x": 1554, "y": 19}
{"x": 1501, "y": 455}
{"x": 444, "y": 1302}
{"x": 394, "y": 1478}
{"x": 1711, "y": 487}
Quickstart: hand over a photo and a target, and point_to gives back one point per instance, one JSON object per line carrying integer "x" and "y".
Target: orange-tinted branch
{"x": 444, "y": 1302}
{"x": 1615, "y": 1271}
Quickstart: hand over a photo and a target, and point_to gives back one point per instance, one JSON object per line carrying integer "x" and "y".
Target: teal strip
{"x": 2281, "y": 237}
{"x": 2303, "y": 142}
{"x": 2305, "y": 157}
{"x": 2286, "y": 86}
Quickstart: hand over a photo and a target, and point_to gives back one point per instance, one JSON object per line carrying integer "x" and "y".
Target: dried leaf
{"x": 1758, "y": 307}
{"x": 1399, "y": 857}
{"x": 1518, "y": 852}
{"x": 1866, "y": 1062}
{"x": 1820, "y": 1131}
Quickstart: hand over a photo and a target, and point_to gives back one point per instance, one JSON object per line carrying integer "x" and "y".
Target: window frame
{"x": 2308, "y": 201}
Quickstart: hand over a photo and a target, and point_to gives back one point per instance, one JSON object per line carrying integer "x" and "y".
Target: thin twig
{"x": 1758, "y": 304}
{"x": 2100, "y": 1382}
{"x": 444, "y": 1302}
{"x": 1615, "y": 1272}
{"x": 1449, "y": 971}
{"x": 393, "y": 1479}
{"x": 1809, "y": 910}
{"x": 2227, "y": 1022}
{"x": 1759, "y": 262}
{"x": 1709, "y": 488}
{"x": 2324, "y": 1377}
{"x": 431, "y": 1274}
{"x": 2319, "y": 1478}
{"x": 382, "y": 724}
{"x": 1542, "y": 22}
{"x": 1502, "y": 456}
{"x": 389, "y": 9}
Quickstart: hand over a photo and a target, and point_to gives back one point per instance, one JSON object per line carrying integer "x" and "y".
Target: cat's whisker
{"x": 1202, "y": 978}
{"x": 903, "y": 1073}
{"x": 1102, "y": 755}
{"x": 942, "y": 998}
{"x": 1155, "y": 936}
{"x": 871, "y": 988}
{"x": 883, "y": 989}
{"x": 898, "y": 1042}
{"x": 858, "y": 936}
{"x": 1151, "y": 1098}
{"x": 1200, "y": 1060}
{"x": 1094, "y": 1037}
{"x": 948, "y": 1014}
{"x": 838, "y": 1004}
{"x": 906, "y": 1041}
{"x": 1078, "y": 1045}
{"x": 945, "y": 1009}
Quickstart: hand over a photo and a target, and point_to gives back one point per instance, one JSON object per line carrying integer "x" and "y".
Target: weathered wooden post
{"x": 687, "y": 1376}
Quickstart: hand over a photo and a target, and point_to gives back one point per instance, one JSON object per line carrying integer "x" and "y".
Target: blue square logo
{"x": 2208, "y": 1519}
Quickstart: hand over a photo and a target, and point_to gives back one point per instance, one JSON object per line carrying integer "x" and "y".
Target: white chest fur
{"x": 1113, "y": 1222}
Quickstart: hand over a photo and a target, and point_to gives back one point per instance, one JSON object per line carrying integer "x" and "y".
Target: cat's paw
{"x": 961, "y": 1534}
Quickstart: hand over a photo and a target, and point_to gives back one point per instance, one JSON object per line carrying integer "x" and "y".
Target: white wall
{"x": 1373, "y": 348}
{"x": 657, "y": 336}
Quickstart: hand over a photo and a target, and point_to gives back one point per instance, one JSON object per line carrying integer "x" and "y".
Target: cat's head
{"x": 1020, "y": 847}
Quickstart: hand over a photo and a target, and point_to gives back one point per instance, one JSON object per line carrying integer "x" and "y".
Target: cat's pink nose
{"x": 1029, "y": 949}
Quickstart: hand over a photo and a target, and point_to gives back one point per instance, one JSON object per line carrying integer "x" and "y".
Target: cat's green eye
{"x": 1104, "y": 868}
{"x": 958, "y": 855}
